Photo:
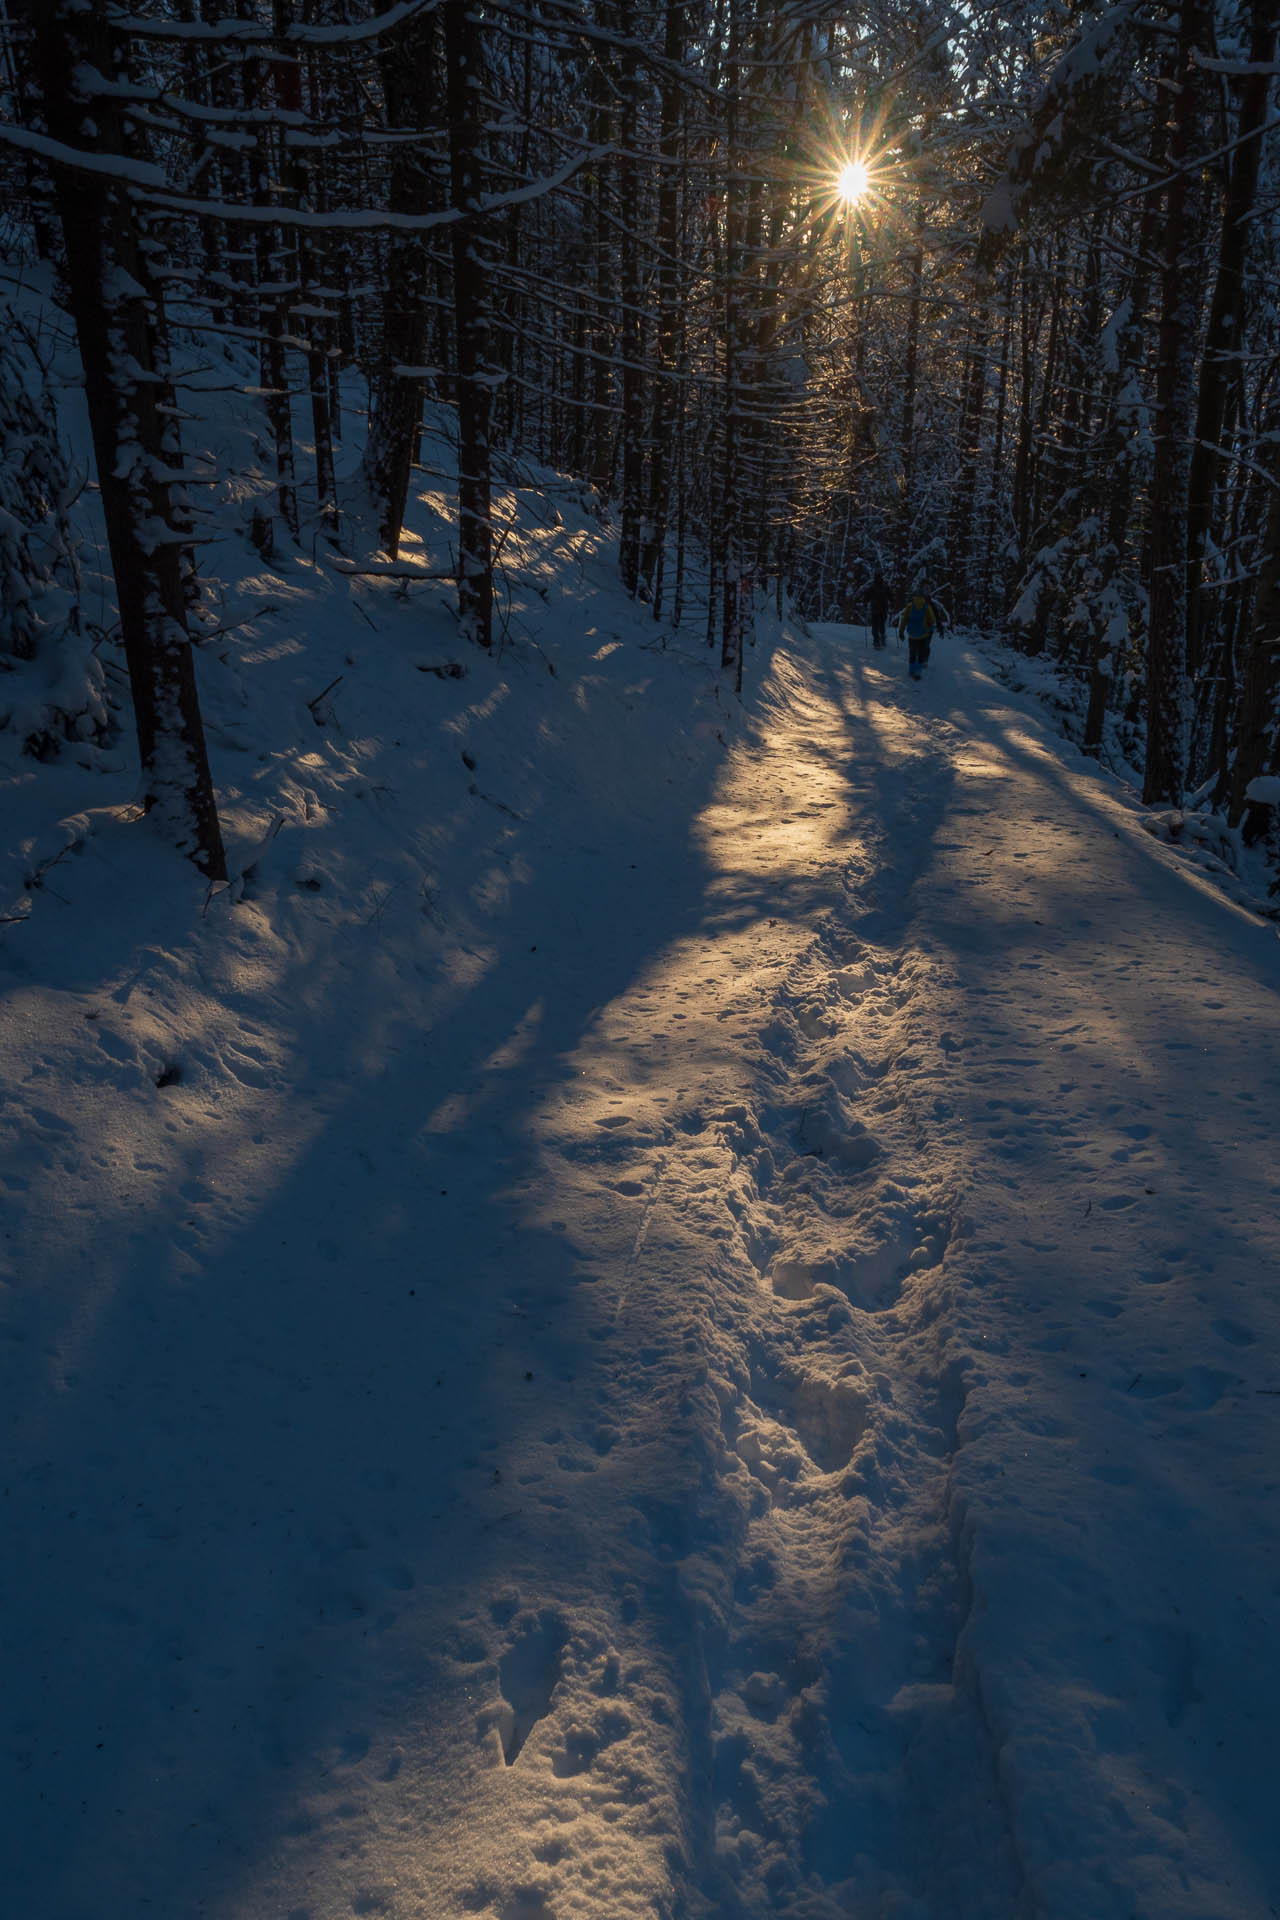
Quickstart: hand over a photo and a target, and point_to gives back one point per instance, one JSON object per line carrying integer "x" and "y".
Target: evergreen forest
{"x": 980, "y": 296}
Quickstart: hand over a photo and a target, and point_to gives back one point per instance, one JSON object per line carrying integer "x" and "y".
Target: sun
{"x": 853, "y": 182}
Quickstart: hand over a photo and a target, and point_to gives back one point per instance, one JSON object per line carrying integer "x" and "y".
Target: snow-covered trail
{"x": 739, "y": 1667}
{"x": 925, "y": 1225}
{"x": 764, "y": 1401}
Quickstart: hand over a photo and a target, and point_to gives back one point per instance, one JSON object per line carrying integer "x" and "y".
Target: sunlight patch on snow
{"x": 894, "y": 737}
{"x": 492, "y": 890}
{"x": 511, "y": 1051}
{"x": 277, "y": 648}
{"x": 450, "y": 1116}
{"x": 1036, "y": 749}
{"x": 480, "y": 709}
{"x": 975, "y": 763}
{"x": 750, "y": 835}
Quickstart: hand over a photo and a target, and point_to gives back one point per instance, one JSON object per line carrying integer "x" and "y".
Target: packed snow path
{"x": 763, "y": 1403}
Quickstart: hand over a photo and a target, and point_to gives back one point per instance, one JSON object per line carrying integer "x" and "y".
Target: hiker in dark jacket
{"x": 878, "y": 604}
{"x": 916, "y": 624}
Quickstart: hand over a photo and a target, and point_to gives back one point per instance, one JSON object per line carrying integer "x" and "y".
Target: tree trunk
{"x": 464, "y": 56}
{"x": 314, "y": 327}
{"x": 115, "y": 303}
{"x": 915, "y": 271}
{"x": 407, "y": 64}
{"x": 601, "y": 443}
{"x": 1219, "y": 367}
{"x": 668, "y": 394}
{"x": 271, "y": 289}
{"x": 632, "y": 530}
{"x": 1164, "y": 775}
{"x": 1258, "y": 724}
{"x": 733, "y": 294}
{"x": 1043, "y": 488}
{"x": 960, "y": 529}
{"x": 985, "y": 606}
{"x": 1028, "y": 340}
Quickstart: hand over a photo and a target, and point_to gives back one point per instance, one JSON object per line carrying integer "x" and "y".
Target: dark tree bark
{"x": 272, "y": 288}
{"x": 960, "y": 528}
{"x": 1258, "y": 724}
{"x": 409, "y": 64}
{"x": 1044, "y": 466}
{"x": 631, "y": 292}
{"x": 734, "y": 294}
{"x": 314, "y": 326}
{"x": 1119, "y": 459}
{"x": 1164, "y": 775}
{"x": 1029, "y": 318}
{"x": 578, "y": 409}
{"x": 910, "y": 382}
{"x": 600, "y": 449}
{"x": 464, "y": 57}
{"x": 513, "y": 341}
{"x": 985, "y": 597}
{"x": 668, "y": 393}
{"x": 1219, "y": 366}
{"x": 116, "y": 306}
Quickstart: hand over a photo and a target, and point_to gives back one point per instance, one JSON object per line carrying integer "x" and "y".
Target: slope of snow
{"x": 1200, "y": 834}
{"x": 660, "y": 1311}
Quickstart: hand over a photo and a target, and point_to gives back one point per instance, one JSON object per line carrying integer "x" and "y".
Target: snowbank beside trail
{"x": 256, "y": 1262}
{"x": 664, "y": 1310}
{"x": 1109, "y": 1090}
{"x": 1198, "y": 835}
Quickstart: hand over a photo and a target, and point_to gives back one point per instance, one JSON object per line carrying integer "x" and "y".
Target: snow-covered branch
{"x": 253, "y": 33}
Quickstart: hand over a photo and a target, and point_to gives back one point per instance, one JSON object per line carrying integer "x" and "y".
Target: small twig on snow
{"x": 313, "y": 704}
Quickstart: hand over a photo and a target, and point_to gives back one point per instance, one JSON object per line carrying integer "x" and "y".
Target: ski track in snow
{"x": 787, "y": 1432}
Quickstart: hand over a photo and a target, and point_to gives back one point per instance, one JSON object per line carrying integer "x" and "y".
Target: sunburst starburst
{"x": 853, "y": 181}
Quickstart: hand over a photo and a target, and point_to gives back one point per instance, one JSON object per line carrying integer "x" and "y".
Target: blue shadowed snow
{"x": 664, "y": 1310}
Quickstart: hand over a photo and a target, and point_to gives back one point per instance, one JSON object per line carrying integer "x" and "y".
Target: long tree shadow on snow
{"x": 333, "y": 1418}
{"x": 326, "y": 1419}
{"x": 1146, "y": 1226}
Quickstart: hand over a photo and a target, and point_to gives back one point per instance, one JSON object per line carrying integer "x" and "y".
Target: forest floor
{"x": 663, "y": 1311}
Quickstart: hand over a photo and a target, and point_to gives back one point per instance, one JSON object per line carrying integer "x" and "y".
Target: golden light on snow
{"x": 853, "y": 181}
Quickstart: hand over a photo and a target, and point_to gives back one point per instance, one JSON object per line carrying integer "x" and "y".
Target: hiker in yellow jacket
{"x": 916, "y": 625}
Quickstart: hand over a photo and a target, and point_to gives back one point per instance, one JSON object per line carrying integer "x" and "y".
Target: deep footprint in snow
{"x": 852, "y": 983}
{"x": 796, "y": 1279}
{"x": 1201, "y": 1388}
{"x": 1234, "y": 1333}
{"x": 814, "y": 1022}
{"x": 871, "y": 1281}
{"x": 521, "y": 1903}
{"x": 528, "y": 1674}
{"x": 828, "y": 1417}
{"x": 851, "y": 1148}
{"x": 582, "y": 1744}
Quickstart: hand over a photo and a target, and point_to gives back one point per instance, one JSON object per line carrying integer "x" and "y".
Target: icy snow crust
{"x": 661, "y": 1312}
